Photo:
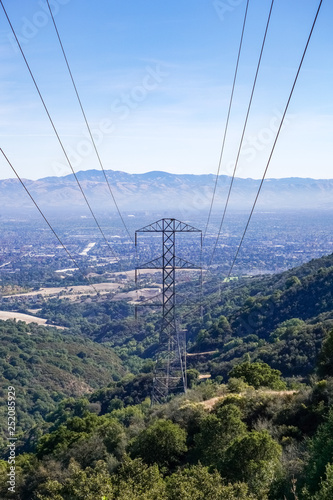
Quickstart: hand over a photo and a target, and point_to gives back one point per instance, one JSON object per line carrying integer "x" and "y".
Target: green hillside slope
{"x": 281, "y": 320}
{"x": 45, "y": 366}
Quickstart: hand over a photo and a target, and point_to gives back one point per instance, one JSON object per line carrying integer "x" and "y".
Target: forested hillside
{"x": 46, "y": 366}
{"x": 256, "y": 421}
{"x": 281, "y": 320}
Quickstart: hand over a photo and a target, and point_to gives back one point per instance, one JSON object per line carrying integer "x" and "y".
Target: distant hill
{"x": 163, "y": 191}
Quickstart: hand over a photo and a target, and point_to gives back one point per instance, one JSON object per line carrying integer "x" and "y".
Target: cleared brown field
{"x": 73, "y": 290}
{"x": 4, "y": 315}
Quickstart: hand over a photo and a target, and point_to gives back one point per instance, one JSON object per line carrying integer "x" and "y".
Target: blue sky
{"x": 155, "y": 80}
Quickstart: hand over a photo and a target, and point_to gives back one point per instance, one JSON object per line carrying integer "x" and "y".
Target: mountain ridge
{"x": 162, "y": 190}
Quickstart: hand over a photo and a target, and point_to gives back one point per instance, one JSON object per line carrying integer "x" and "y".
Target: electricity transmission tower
{"x": 170, "y": 368}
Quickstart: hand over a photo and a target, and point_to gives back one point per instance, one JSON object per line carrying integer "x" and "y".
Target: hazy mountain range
{"x": 155, "y": 191}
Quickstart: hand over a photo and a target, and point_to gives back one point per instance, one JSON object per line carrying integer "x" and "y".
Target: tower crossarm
{"x": 174, "y": 225}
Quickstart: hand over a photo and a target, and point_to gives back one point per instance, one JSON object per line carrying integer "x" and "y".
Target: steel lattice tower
{"x": 170, "y": 368}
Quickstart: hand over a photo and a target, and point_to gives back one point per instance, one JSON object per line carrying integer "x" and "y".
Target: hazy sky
{"x": 155, "y": 80}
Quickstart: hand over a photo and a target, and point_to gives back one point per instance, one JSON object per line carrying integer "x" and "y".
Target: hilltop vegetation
{"x": 251, "y": 445}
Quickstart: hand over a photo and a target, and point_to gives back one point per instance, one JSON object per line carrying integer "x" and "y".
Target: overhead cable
{"x": 274, "y": 145}
{"x": 58, "y": 137}
{"x": 227, "y": 121}
{"x": 47, "y": 222}
{"x": 243, "y": 132}
{"x": 87, "y": 123}
{"x": 276, "y": 138}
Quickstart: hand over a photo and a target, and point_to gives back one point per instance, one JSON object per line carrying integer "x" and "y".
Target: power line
{"x": 243, "y": 132}
{"x": 227, "y": 121}
{"x": 57, "y": 135}
{"x": 274, "y": 144}
{"x": 87, "y": 123}
{"x": 276, "y": 138}
{"x": 47, "y": 222}
{"x": 216, "y": 292}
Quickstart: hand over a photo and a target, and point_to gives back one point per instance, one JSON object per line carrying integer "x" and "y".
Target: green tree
{"x": 321, "y": 454}
{"x": 88, "y": 484}
{"x": 258, "y": 375}
{"x": 163, "y": 443}
{"x": 3, "y": 478}
{"x": 113, "y": 435}
{"x": 192, "y": 377}
{"x": 293, "y": 281}
{"x": 326, "y": 485}
{"x": 325, "y": 358}
{"x": 255, "y": 460}
{"x": 58, "y": 441}
{"x": 217, "y": 433}
{"x": 197, "y": 483}
{"x": 136, "y": 480}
